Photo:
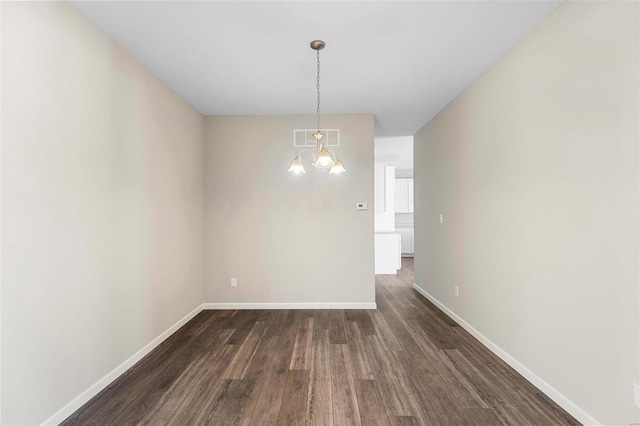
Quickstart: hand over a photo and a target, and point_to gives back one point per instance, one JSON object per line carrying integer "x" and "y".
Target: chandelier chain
{"x": 318, "y": 87}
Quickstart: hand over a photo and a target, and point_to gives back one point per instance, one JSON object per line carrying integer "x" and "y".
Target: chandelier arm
{"x": 309, "y": 151}
{"x": 335, "y": 157}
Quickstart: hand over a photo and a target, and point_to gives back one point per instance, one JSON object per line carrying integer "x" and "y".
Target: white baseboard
{"x": 222, "y": 306}
{"x": 573, "y": 409}
{"x": 94, "y": 389}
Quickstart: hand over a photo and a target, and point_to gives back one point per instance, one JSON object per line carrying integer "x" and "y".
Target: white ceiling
{"x": 402, "y": 61}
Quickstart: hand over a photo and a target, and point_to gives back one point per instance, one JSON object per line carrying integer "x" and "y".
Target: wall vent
{"x": 303, "y": 138}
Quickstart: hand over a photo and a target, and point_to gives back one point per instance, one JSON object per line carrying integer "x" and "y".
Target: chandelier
{"x": 322, "y": 158}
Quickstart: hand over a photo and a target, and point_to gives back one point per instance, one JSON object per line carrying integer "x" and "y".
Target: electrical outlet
{"x": 456, "y": 291}
{"x": 636, "y": 394}
{"x": 234, "y": 282}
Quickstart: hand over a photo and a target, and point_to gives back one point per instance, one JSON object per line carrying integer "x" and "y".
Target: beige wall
{"x": 102, "y": 208}
{"x": 287, "y": 238}
{"x": 535, "y": 168}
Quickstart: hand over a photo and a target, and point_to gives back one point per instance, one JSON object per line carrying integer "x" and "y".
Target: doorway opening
{"x": 394, "y": 205}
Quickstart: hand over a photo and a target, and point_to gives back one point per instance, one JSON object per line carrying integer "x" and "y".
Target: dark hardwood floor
{"x": 405, "y": 363}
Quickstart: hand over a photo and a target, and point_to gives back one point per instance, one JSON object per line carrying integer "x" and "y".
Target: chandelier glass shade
{"x": 297, "y": 166}
{"x": 323, "y": 158}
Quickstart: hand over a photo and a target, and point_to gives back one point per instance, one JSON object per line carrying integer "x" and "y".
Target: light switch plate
{"x": 361, "y": 206}
{"x": 636, "y": 394}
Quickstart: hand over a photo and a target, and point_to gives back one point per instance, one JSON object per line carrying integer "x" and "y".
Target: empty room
{"x": 319, "y": 212}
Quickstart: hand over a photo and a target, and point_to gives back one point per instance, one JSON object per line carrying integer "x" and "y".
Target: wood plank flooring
{"x": 405, "y": 363}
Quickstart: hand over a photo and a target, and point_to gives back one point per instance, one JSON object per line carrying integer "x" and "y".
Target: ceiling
{"x": 402, "y": 61}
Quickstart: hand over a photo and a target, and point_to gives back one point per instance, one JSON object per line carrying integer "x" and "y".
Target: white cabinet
{"x": 389, "y": 189}
{"x": 406, "y": 240}
{"x": 401, "y": 196}
{"x": 385, "y": 188}
{"x": 410, "y": 194}
{"x": 404, "y": 195}
{"x": 387, "y": 253}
